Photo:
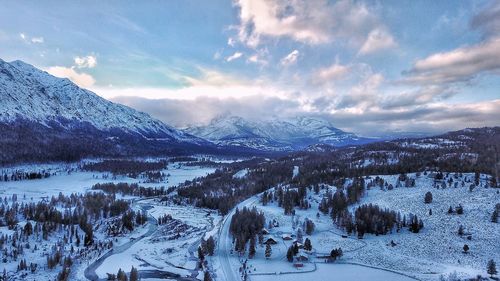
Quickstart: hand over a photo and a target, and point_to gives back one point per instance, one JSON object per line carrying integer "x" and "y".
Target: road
{"x": 225, "y": 244}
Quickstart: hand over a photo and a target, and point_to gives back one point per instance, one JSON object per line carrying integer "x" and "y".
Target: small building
{"x": 264, "y": 231}
{"x": 298, "y": 265}
{"x": 302, "y": 257}
{"x": 286, "y": 237}
{"x": 271, "y": 241}
{"x": 300, "y": 245}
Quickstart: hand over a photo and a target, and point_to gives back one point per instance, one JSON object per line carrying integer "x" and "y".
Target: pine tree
{"x": 121, "y": 276}
{"x": 307, "y": 245}
{"x": 251, "y": 250}
{"x": 206, "y": 276}
{"x": 290, "y": 254}
{"x": 428, "y": 197}
{"x": 494, "y": 216}
{"x": 268, "y": 251}
{"x": 466, "y": 248}
{"x": 460, "y": 230}
{"x": 492, "y": 268}
{"x": 134, "y": 274}
{"x": 210, "y": 246}
{"x": 201, "y": 256}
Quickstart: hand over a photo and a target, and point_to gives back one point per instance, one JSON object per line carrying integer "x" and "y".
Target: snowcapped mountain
{"x": 32, "y": 94}
{"x": 274, "y": 135}
{"x": 49, "y": 118}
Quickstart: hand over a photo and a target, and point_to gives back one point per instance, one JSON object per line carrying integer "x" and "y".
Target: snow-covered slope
{"x": 274, "y": 135}
{"x": 32, "y": 94}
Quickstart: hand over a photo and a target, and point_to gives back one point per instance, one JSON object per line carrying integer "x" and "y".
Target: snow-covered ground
{"x": 171, "y": 247}
{"x": 81, "y": 181}
{"x": 168, "y": 248}
{"x": 436, "y": 250}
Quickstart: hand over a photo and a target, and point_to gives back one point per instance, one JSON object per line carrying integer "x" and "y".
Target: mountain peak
{"x": 274, "y": 135}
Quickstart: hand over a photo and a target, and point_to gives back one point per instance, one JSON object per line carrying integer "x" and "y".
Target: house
{"x": 264, "y": 231}
{"x": 300, "y": 245}
{"x": 286, "y": 237}
{"x": 302, "y": 257}
{"x": 271, "y": 241}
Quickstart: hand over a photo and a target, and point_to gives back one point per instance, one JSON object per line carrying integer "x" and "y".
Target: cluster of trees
{"x": 373, "y": 219}
{"x": 122, "y": 276}
{"x": 130, "y": 189}
{"x": 221, "y": 191}
{"x": 131, "y": 168}
{"x": 292, "y": 197}
{"x": 292, "y": 251}
{"x": 208, "y": 246}
{"x": 164, "y": 219}
{"x": 246, "y": 225}
{"x": 18, "y": 176}
{"x": 336, "y": 253}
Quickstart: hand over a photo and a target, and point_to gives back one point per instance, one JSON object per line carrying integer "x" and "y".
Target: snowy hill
{"x": 274, "y": 135}
{"x": 48, "y": 118}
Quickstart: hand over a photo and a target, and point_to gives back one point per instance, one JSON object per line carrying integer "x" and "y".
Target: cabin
{"x": 302, "y": 257}
{"x": 300, "y": 245}
{"x": 286, "y": 237}
{"x": 271, "y": 241}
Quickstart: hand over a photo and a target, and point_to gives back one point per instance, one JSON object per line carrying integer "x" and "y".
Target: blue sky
{"x": 368, "y": 67}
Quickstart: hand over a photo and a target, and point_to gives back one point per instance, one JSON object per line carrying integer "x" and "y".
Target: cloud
{"x": 378, "y": 39}
{"x": 89, "y": 61}
{"x": 310, "y": 22}
{"x": 203, "y": 109}
{"x": 459, "y": 65}
{"x": 260, "y": 57}
{"x": 208, "y": 83}
{"x": 234, "y": 56}
{"x": 488, "y": 20}
{"x": 81, "y": 79}
{"x": 435, "y": 117}
{"x": 291, "y": 58}
{"x": 37, "y": 40}
{"x": 34, "y": 40}
{"x": 362, "y": 96}
{"x": 331, "y": 73}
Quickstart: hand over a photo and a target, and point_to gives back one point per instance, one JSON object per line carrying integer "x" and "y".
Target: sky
{"x": 367, "y": 66}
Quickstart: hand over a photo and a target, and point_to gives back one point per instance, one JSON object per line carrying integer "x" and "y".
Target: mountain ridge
{"x": 45, "y": 118}
{"x": 30, "y": 93}
{"x": 275, "y": 135}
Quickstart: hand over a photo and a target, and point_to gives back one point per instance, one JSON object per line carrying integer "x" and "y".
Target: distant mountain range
{"x": 275, "y": 135}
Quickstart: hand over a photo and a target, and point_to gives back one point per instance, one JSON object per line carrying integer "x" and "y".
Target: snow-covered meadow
{"x": 437, "y": 250}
